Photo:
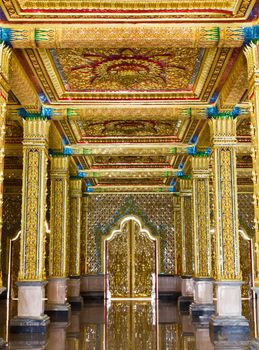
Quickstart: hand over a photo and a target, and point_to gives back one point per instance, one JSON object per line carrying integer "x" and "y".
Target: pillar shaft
{"x": 201, "y": 217}
{"x": 177, "y": 236}
{"x": 75, "y": 226}
{"x": 59, "y": 223}
{"x": 186, "y": 226}
{"x": 35, "y": 156}
{"x": 84, "y": 234}
{"x": 252, "y": 55}
{"x": 5, "y": 55}
{"x": 223, "y": 131}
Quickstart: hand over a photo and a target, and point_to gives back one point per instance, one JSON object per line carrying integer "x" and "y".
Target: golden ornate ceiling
{"x": 129, "y": 83}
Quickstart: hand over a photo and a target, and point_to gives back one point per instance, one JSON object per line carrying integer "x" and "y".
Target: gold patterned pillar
{"x": 203, "y": 285}
{"x": 178, "y": 240}
{"x": 75, "y": 241}
{"x": 59, "y": 235}
{"x": 228, "y": 273}
{"x": 31, "y": 281}
{"x": 252, "y": 55}
{"x": 84, "y": 238}
{"x": 186, "y": 243}
{"x": 5, "y": 54}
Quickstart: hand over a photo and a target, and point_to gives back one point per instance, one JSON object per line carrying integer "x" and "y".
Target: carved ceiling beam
{"x": 128, "y": 110}
{"x": 235, "y": 85}
{"x": 22, "y": 86}
{"x": 58, "y": 35}
{"x": 129, "y": 173}
{"x": 129, "y": 189}
{"x": 138, "y": 149}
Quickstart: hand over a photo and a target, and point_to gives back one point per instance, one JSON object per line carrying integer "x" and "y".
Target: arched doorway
{"x": 130, "y": 261}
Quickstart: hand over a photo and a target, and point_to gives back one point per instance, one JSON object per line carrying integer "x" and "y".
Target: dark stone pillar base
{"x": 76, "y": 303}
{"x": 201, "y": 313}
{"x": 229, "y": 329}
{"x": 184, "y": 303}
{"x": 172, "y": 296}
{"x": 32, "y": 341}
{"x": 58, "y": 312}
{"x": 29, "y": 325}
{"x": 92, "y": 296}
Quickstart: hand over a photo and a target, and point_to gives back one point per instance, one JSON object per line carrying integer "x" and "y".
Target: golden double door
{"x": 131, "y": 261}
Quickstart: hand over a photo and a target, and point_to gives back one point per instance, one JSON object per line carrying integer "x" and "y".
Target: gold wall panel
{"x": 106, "y": 210}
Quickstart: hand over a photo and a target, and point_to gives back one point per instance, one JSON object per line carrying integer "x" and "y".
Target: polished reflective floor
{"x": 123, "y": 325}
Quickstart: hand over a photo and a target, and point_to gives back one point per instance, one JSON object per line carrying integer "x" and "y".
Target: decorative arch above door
{"x": 130, "y": 260}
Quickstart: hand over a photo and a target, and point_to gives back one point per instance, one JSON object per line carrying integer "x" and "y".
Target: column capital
{"x": 223, "y": 130}
{"x": 75, "y": 185}
{"x": 185, "y": 187}
{"x": 59, "y": 165}
{"x": 35, "y": 131}
{"x": 200, "y": 166}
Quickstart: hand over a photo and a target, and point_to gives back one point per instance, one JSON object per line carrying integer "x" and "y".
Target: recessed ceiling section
{"x": 172, "y": 74}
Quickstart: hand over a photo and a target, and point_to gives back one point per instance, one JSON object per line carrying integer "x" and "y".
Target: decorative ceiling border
{"x": 80, "y": 10}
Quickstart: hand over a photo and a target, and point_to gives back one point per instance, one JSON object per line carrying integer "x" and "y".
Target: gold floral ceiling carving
{"x": 128, "y": 74}
{"x": 128, "y": 69}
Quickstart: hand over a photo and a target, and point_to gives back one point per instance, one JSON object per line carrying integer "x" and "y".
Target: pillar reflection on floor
{"x": 57, "y": 336}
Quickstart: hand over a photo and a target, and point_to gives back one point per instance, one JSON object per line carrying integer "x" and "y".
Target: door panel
{"x": 131, "y": 261}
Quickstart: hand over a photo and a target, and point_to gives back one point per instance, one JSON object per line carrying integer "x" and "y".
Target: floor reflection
{"x": 122, "y": 325}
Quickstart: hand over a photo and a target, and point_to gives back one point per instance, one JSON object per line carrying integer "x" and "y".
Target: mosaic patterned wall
{"x": 11, "y": 225}
{"x": 106, "y": 210}
{"x": 246, "y": 213}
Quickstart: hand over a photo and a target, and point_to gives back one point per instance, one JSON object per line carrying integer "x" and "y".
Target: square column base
{"x": 29, "y": 325}
{"x": 201, "y": 313}
{"x": 229, "y": 329}
{"x": 73, "y": 292}
{"x": 184, "y": 303}
{"x": 33, "y": 341}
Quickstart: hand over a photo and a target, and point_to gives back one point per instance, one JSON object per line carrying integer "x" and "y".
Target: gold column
{"x": 75, "y": 226}
{"x": 201, "y": 216}
{"x": 228, "y": 273}
{"x": 59, "y": 233}
{"x": 31, "y": 280}
{"x": 223, "y": 132}
{"x": 35, "y": 157}
{"x": 177, "y": 235}
{"x": 203, "y": 284}
{"x": 252, "y": 56}
{"x": 5, "y": 55}
{"x": 84, "y": 234}
{"x": 186, "y": 244}
{"x": 75, "y": 241}
{"x": 186, "y": 226}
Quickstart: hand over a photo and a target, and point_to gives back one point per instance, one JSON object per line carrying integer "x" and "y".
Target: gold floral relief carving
{"x": 32, "y": 257}
{"x": 75, "y": 227}
{"x": 228, "y": 264}
{"x": 59, "y": 218}
{"x": 202, "y": 228}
